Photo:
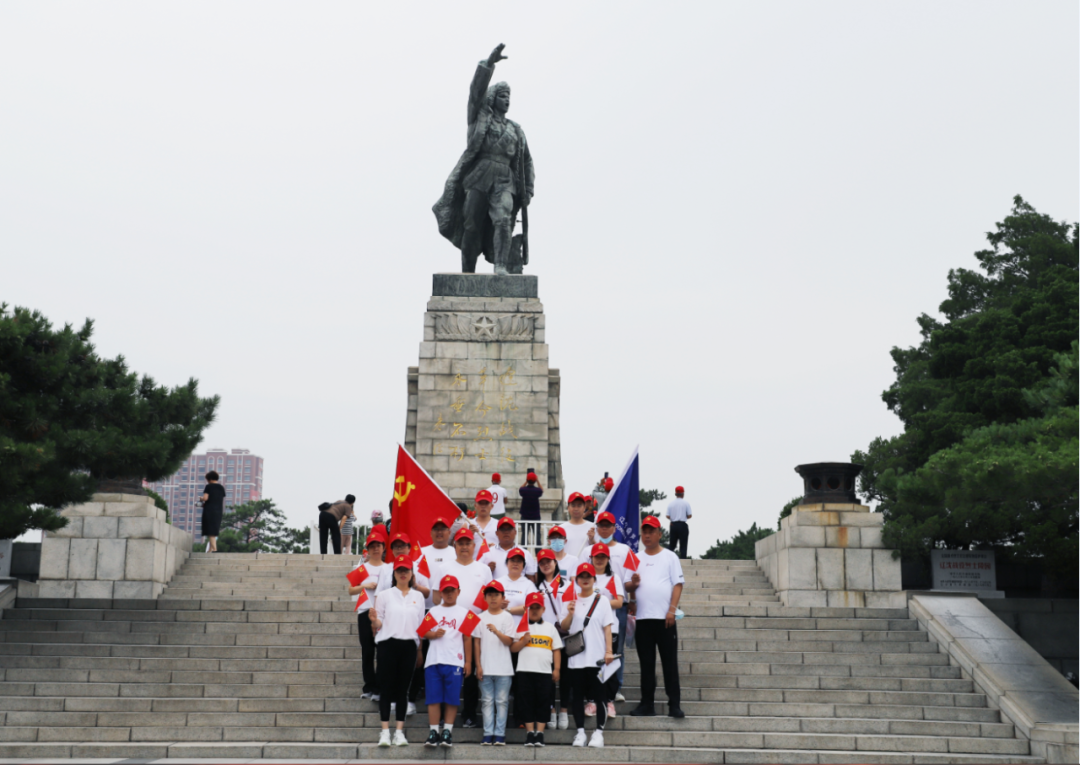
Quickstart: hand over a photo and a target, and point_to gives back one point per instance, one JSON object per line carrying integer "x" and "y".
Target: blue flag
{"x": 622, "y": 502}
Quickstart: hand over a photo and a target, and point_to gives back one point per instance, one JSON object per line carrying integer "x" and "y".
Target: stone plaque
{"x": 970, "y": 570}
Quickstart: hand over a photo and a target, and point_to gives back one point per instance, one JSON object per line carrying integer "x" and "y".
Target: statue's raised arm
{"x": 493, "y": 179}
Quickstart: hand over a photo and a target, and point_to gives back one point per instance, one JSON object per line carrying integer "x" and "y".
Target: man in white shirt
{"x": 436, "y": 554}
{"x": 679, "y": 512}
{"x": 579, "y": 532}
{"x": 657, "y": 586}
{"x": 495, "y": 558}
{"x": 498, "y": 497}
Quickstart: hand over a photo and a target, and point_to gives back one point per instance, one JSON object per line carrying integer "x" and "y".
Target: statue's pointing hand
{"x": 496, "y": 55}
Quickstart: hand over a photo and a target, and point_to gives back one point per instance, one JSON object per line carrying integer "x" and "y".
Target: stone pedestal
{"x": 115, "y": 546}
{"x": 831, "y": 555}
{"x": 483, "y": 399}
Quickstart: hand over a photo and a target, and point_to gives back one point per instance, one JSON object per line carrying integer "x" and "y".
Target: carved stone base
{"x": 483, "y": 399}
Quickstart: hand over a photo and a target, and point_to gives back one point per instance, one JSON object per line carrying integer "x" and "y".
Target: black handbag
{"x": 575, "y": 644}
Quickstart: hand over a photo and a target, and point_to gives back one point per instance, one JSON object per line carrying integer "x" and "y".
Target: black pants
{"x": 470, "y": 696}
{"x": 328, "y": 524}
{"x": 418, "y": 675}
{"x": 679, "y": 535}
{"x": 587, "y": 685}
{"x": 566, "y": 689}
{"x": 531, "y": 704}
{"x": 367, "y": 652}
{"x": 652, "y": 636}
{"x": 397, "y": 660}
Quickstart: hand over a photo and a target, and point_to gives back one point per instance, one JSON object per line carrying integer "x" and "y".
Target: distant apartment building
{"x": 241, "y": 474}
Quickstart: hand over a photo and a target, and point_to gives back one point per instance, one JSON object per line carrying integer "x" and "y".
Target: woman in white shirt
{"x": 608, "y": 578}
{"x": 549, "y": 585}
{"x": 591, "y": 615}
{"x": 580, "y": 533}
{"x": 398, "y": 614}
{"x": 375, "y": 546}
{"x": 516, "y": 585}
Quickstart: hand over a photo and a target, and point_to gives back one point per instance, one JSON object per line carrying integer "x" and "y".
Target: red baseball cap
{"x": 495, "y": 477}
{"x": 586, "y": 568}
{"x": 401, "y": 536}
{"x": 534, "y": 599}
{"x": 608, "y": 483}
{"x": 403, "y": 561}
{"x": 651, "y": 520}
{"x": 443, "y": 521}
{"x": 556, "y": 530}
{"x": 600, "y": 549}
{"x": 530, "y": 477}
{"x": 575, "y": 497}
{"x": 516, "y": 552}
{"x": 494, "y": 585}
{"x": 605, "y": 516}
{"x": 506, "y": 521}
{"x": 545, "y": 554}
{"x": 372, "y": 538}
{"x": 464, "y": 533}
{"x": 449, "y": 582}
{"x": 679, "y": 490}
{"x": 484, "y": 496}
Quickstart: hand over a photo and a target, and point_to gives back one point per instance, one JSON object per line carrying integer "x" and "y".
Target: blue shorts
{"x": 442, "y": 684}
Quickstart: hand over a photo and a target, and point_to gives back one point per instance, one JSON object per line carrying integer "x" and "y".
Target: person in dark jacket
{"x": 213, "y": 507}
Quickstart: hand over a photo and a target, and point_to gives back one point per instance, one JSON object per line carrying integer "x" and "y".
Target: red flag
{"x": 418, "y": 500}
{"x": 569, "y": 595}
{"x": 481, "y": 601}
{"x": 484, "y": 549}
{"x": 555, "y": 585}
{"x": 631, "y": 562}
{"x": 415, "y": 552}
{"x": 611, "y": 588}
{"x": 360, "y": 600}
{"x": 427, "y": 625}
{"x": 523, "y": 625}
{"x": 357, "y": 576}
{"x": 422, "y": 567}
{"x": 467, "y": 626}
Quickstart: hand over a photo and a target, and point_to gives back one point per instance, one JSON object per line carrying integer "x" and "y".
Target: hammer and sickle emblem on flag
{"x": 408, "y": 488}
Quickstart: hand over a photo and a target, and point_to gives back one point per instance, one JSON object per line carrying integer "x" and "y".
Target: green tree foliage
{"x": 739, "y": 547}
{"x": 259, "y": 526}
{"x": 159, "y": 502}
{"x": 786, "y": 511}
{"x": 982, "y": 462}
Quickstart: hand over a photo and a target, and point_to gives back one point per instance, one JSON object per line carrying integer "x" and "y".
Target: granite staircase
{"x": 256, "y": 655}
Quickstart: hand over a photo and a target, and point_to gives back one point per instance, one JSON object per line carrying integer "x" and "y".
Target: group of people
{"x": 474, "y": 630}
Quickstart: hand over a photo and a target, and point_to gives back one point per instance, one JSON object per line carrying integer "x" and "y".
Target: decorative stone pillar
{"x": 829, "y": 552}
{"x": 483, "y": 399}
{"x": 115, "y": 546}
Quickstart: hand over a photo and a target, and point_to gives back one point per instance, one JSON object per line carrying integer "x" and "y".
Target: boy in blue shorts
{"x": 449, "y": 660}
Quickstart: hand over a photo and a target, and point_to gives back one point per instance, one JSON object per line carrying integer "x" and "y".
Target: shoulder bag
{"x": 575, "y": 644}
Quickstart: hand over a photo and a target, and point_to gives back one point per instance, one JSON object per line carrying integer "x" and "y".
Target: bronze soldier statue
{"x": 491, "y": 182}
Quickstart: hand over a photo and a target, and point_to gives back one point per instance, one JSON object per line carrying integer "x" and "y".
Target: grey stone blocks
{"x": 831, "y": 556}
{"x": 116, "y": 546}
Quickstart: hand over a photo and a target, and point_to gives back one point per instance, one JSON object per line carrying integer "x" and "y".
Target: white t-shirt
{"x": 400, "y": 614}
{"x": 595, "y": 645}
{"x": 497, "y": 555}
{"x": 386, "y": 579}
{"x": 373, "y": 575}
{"x": 435, "y": 559}
{"x": 498, "y": 504}
{"x": 577, "y": 537}
{"x": 618, "y": 560}
{"x": 494, "y": 656}
{"x": 488, "y": 532}
{"x": 516, "y": 590}
{"x": 538, "y": 655}
{"x": 601, "y": 587}
{"x": 450, "y": 648}
{"x": 471, "y": 579}
{"x": 567, "y": 567}
{"x": 659, "y": 574}
{"x": 554, "y": 609}
{"x": 679, "y": 510}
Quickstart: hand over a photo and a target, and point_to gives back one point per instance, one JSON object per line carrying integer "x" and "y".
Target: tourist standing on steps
{"x": 213, "y": 507}
{"x": 530, "y": 493}
{"x": 579, "y": 532}
{"x": 397, "y": 617}
{"x": 538, "y": 669}
{"x": 495, "y": 558}
{"x": 483, "y": 524}
{"x": 679, "y": 512}
{"x": 375, "y": 546}
{"x": 345, "y": 520}
{"x": 657, "y": 586}
{"x": 330, "y": 525}
{"x": 498, "y": 497}
{"x": 590, "y": 614}
{"x": 566, "y": 563}
{"x": 609, "y": 578}
{"x": 551, "y": 585}
{"x": 605, "y": 532}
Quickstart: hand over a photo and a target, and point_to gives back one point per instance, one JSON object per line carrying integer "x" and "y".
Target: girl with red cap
{"x": 590, "y": 614}
{"x": 375, "y": 546}
{"x": 396, "y": 618}
{"x": 552, "y": 586}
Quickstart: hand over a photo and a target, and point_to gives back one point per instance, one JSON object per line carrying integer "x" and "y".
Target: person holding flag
{"x": 362, "y": 583}
{"x": 449, "y": 628}
{"x": 397, "y": 615}
{"x": 538, "y": 668}
{"x": 552, "y": 586}
{"x": 609, "y": 583}
{"x": 589, "y": 615}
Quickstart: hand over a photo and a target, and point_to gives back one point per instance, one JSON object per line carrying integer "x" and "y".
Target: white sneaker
{"x": 564, "y": 721}
{"x": 393, "y": 707}
{"x": 399, "y": 739}
{"x": 374, "y": 697}
{"x": 384, "y": 737}
{"x": 579, "y": 739}
{"x": 620, "y": 697}
{"x": 411, "y": 710}
{"x": 596, "y": 741}
{"x": 553, "y": 723}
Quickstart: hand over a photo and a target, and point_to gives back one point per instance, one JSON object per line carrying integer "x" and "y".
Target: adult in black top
{"x": 213, "y": 505}
{"x": 530, "y": 493}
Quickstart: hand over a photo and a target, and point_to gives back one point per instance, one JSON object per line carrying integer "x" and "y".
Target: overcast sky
{"x": 740, "y": 208}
